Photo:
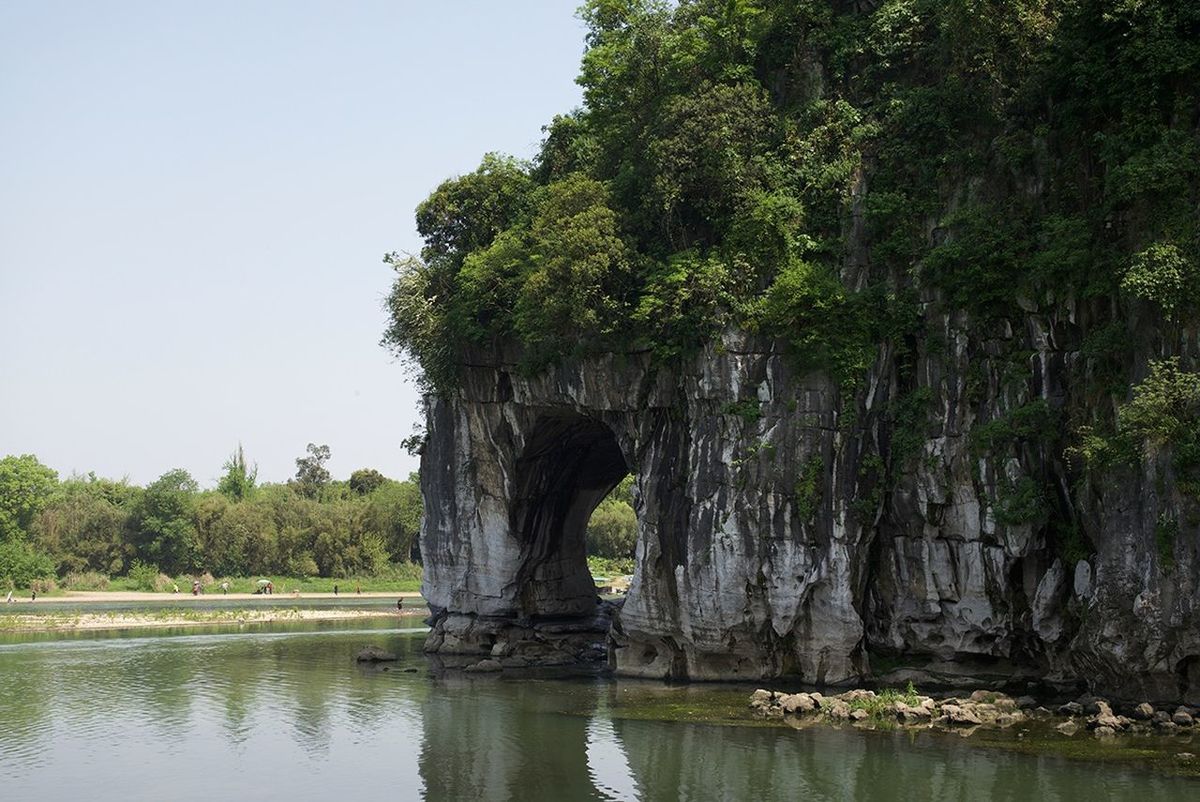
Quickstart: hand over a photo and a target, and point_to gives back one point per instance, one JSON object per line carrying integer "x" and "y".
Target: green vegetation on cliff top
{"x": 862, "y": 182}
{"x": 809, "y": 169}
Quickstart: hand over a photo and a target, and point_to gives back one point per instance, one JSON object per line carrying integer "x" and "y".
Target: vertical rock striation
{"x": 787, "y": 528}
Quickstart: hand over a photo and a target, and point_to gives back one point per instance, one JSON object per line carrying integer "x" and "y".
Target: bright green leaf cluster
{"x": 1163, "y": 274}
{"x": 25, "y": 487}
{"x": 805, "y": 169}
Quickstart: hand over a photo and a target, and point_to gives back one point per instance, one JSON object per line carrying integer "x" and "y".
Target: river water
{"x": 282, "y": 712}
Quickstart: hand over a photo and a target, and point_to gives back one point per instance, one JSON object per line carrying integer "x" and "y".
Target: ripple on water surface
{"x": 285, "y": 712}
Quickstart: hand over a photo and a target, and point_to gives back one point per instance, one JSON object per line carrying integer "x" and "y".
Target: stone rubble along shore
{"x": 981, "y": 709}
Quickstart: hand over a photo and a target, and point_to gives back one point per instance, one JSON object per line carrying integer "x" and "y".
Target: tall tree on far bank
{"x": 85, "y": 525}
{"x": 394, "y": 510}
{"x": 366, "y": 480}
{"x": 25, "y": 486}
{"x": 163, "y": 523}
{"x": 238, "y": 482}
{"x": 311, "y": 473}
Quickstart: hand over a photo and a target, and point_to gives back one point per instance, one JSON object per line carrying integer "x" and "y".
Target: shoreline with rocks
{"x": 981, "y": 709}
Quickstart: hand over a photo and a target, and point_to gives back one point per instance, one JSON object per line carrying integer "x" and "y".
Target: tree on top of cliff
{"x": 736, "y": 160}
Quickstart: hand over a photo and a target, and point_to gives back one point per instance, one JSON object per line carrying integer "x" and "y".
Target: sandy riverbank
{"x": 50, "y": 621}
{"x": 89, "y": 596}
{"x": 63, "y": 612}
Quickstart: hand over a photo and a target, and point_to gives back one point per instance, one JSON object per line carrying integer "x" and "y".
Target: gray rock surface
{"x": 961, "y": 715}
{"x": 1103, "y": 717}
{"x": 787, "y": 527}
{"x": 375, "y": 654}
{"x": 798, "y": 703}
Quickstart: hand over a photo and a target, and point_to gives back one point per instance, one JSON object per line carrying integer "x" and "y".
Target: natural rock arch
{"x": 726, "y": 560}
{"x": 570, "y": 463}
{"x": 784, "y": 528}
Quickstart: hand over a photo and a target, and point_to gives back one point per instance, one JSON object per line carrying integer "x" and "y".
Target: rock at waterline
{"x": 1068, "y": 728}
{"x": 761, "y": 698}
{"x": 374, "y": 654}
{"x": 1105, "y": 720}
{"x": 839, "y": 711}
{"x": 484, "y": 667}
{"x": 954, "y": 714}
{"x": 912, "y": 715}
{"x": 1090, "y": 705}
{"x": 798, "y": 703}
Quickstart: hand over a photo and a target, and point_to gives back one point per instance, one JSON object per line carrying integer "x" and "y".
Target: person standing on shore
{"x": 9, "y": 600}
{"x": 335, "y": 590}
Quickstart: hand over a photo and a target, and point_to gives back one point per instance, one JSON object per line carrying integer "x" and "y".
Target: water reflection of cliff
{"x": 488, "y": 738}
{"x": 734, "y": 762}
{"x": 79, "y": 718}
{"x": 493, "y": 738}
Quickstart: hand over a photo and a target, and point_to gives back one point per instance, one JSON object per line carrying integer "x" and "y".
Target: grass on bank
{"x": 398, "y": 578}
{"x": 43, "y": 619}
{"x": 47, "y": 619}
{"x": 877, "y": 706}
{"x": 283, "y": 584}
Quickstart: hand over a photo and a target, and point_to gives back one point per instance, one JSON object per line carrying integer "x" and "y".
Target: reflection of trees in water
{"x": 231, "y": 679}
{"x": 489, "y": 738}
{"x": 323, "y": 690}
{"x": 165, "y": 688}
{"x": 88, "y": 688}
{"x": 159, "y": 687}
{"x": 309, "y": 687}
{"x": 482, "y": 737}
{"x": 305, "y": 694}
{"x": 25, "y": 702}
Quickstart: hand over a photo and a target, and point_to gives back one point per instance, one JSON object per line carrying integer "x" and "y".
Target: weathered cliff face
{"x": 787, "y": 528}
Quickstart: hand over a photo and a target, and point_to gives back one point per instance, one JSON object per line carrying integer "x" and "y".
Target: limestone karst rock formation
{"x": 787, "y": 530}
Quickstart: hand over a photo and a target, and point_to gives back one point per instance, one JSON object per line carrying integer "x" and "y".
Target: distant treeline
{"x": 312, "y": 525}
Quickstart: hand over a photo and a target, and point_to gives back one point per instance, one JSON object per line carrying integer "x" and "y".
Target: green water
{"x": 282, "y": 712}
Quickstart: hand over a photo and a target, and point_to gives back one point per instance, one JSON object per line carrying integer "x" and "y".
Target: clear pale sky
{"x": 195, "y": 198}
